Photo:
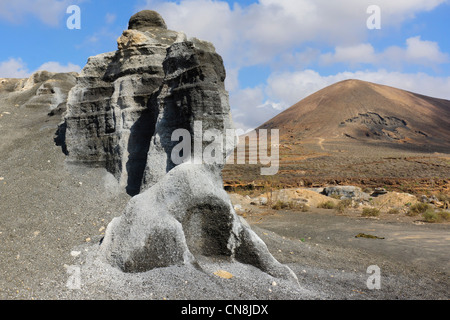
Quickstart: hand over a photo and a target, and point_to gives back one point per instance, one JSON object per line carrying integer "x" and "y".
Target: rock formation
{"x": 186, "y": 215}
{"x": 155, "y": 75}
{"x": 42, "y": 89}
{"x": 192, "y": 92}
{"x": 122, "y": 114}
{"x": 111, "y": 116}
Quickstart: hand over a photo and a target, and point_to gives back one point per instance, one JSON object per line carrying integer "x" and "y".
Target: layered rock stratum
{"x": 126, "y": 102}
{"x": 122, "y": 115}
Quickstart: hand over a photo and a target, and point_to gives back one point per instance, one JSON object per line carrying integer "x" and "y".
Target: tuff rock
{"x": 122, "y": 114}
{"x": 42, "y": 89}
{"x": 112, "y": 112}
{"x": 126, "y": 103}
{"x": 186, "y": 215}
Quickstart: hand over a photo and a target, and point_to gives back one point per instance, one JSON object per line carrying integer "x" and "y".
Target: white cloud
{"x": 110, "y": 18}
{"x": 249, "y": 108}
{"x": 49, "y": 12}
{"x": 232, "y": 79}
{"x": 258, "y": 32}
{"x": 419, "y": 51}
{"x": 353, "y": 55}
{"x": 292, "y": 87}
{"x": 13, "y": 68}
{"x": 416, "y": 52}
{"x": 16, "y": 68}
{"x": 53, "y": 66}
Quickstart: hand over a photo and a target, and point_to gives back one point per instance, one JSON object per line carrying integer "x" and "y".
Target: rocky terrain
{"x": 92, "y": 207}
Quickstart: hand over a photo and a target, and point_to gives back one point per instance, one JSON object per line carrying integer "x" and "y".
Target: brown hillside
{"x": 368, "y": 112}
{"x": 361, "y": 133}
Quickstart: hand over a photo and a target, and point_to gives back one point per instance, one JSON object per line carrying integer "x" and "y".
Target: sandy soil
{"x": 53, "y": 215}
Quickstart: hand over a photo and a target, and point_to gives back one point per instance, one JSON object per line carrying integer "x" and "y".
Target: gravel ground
{"x": 53, "y": 216}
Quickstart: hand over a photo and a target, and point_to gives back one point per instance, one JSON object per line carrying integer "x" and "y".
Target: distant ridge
{"x": 367, "y": 112}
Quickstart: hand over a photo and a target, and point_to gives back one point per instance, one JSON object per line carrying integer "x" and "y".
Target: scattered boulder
{"x": 394, "y": 200}
{"x": 345, "y": 192}
{"x": 442, "y": 204}
{"x": 378, "y": 191}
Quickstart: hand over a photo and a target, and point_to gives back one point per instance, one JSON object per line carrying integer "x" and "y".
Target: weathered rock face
{"x": 129, "y": 101}
{"x": 122, "y": 115}
{"x": 146, "y": 20}
{"x": 192, "y": 91}
{"x": 42, "y": 89}
{"x": 185, "y": 215}
{"x": 111, "y": 117}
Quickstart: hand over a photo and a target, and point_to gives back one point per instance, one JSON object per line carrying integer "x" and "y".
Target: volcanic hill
{"x": 359, "y": 132}
{"x": 367, "y": 112}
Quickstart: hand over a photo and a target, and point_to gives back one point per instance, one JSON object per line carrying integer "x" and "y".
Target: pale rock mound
{"x": 185, "y": 215}
{"x": 122, "y": 115}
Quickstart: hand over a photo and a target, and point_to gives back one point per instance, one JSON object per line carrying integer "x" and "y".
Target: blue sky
{"x": 276, "y": 52}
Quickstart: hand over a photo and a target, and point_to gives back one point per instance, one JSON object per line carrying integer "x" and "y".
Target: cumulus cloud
{"x": 250, "y": 109}
{"x": 256, "y": 33}
{"x": 353, "y": 55}
{"x": 13, "y": 68}
{"x": 416, "y": 51}
{"x": 419, "y": 51}
{"x": 17, "y": 68}
{"x": 291, "y": 87}
{"x": 50, "y": 12}
{"x": 53, "y": 66}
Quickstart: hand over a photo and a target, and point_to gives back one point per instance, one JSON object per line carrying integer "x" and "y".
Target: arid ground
{"x": 50, "y": 211}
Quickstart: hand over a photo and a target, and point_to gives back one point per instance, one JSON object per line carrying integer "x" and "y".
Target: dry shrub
{"x": 292, "y": 205}
{"x": 370, "y": 212}
{"x": 326, "y": 205}
{"x": 418, "y": 208}
{"x": 432, "y": 216}
{"x": 394, "y": 211}
{"x": 342, "y": 205}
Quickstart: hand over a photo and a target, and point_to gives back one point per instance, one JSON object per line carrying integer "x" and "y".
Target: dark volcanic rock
{"x": 143, "y": 20}
{"x": 192, "y": 91}
{"x": 127, "y": 103}
{"x": 111, "y": 117}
